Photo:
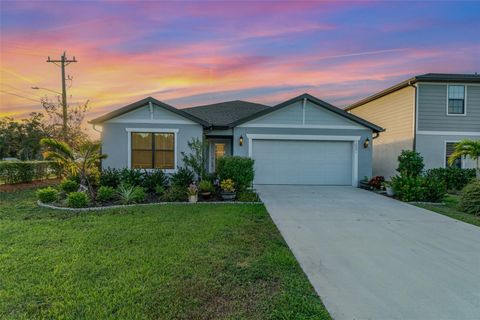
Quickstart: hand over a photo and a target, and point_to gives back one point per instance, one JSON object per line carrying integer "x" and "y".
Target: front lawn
{"x": 450, "y": 209}
{"x": 151, "y": 262}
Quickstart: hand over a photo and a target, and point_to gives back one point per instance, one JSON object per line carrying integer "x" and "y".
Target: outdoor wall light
{"x": 366, "y": 143}
{"x": 240, "y": 141}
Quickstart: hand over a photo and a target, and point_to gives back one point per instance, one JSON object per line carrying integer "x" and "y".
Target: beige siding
{"x": 395, "y": 113}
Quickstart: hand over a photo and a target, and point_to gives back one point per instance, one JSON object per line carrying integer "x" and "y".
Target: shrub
{"x": 470, "y": 198}
{"x": 227, "y": 185}
{"x": 160, "y": 190}
{"x": 376, "y": 182}
{"x": 77, "y": 199}
{"x": 408, "y": 188}
{"x": 47, "y": 195}
{"x": 183, "y": 177}
{"x": 239, "y": 169}
{"x": 248, "y": 196}
{"x": 110, "y": 177}
{"x": 133, "y": 177}
{"x": 434, "y": 189}
{"x": 131, "y": 194}
{"x": 105, "y": 193}
{"x": 196, "y": 160}
{"x": 153, "y": 179}
{"x": 26, "y": 171}
{"x": 410, "y": 163}
{"x": 175, "y": 193}
{"x": 454, "y": 178}
{"x": 206, "y": 186}
{"x": 69, "y": 186}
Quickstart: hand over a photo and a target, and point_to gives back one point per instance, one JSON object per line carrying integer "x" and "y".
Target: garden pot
{"x": 206, "y": 195}
{"x": 228, "y": 196}
{"x": 193, "y": 199}
{"x": 390, "y": 191}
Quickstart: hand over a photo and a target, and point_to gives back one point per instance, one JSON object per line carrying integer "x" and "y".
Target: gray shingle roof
{"x": 428, "y": 77}
{"x": 224, "y": 113}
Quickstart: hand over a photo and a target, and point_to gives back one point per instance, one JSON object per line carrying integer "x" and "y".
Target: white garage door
{"x": 302, "y": 162}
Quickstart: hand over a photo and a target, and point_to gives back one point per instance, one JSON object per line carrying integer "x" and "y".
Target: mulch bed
{"x": 28, "y": 185}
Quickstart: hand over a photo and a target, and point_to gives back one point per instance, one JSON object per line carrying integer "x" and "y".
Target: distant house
{"x": 427, "y": 113}
{"x": 300, "y": 141}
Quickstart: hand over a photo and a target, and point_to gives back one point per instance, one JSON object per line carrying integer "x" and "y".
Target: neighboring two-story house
{"x": 427, "y": 113}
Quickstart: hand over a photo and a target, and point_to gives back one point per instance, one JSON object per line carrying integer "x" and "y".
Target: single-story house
{"x": 301, "y": 141}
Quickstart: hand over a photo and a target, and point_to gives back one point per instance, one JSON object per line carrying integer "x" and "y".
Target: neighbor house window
{"x": 153, "y": 150}
{"x": 456, "y": 99}
{"x": 449, "y": 148}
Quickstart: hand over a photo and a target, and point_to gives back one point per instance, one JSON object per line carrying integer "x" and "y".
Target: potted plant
{"x": 192, "y": 191}
{"x": 389, "y": 189}
{"x": 228, "y": 189}
{"x": 205, "y": 188}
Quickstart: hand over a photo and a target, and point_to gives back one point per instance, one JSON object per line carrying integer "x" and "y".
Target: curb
{"x": 119, "y": 206}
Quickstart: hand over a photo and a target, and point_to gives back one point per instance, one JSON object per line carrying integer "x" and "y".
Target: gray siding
{"x": 432, "y": 110}
{"x": 432, "y": 149}
{"x": 115, "y": 140}
{"x": 364, "y": 155}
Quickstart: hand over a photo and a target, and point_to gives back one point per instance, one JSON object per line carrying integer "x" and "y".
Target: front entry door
{"x": 218, "y": 149}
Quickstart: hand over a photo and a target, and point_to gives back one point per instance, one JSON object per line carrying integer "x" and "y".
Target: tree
{"x": 21, "y": 139}
{"x": 196, "y": 160}
{"x": 75, "y": 117}
{"x": 467, "y": 148}
{"x": 80, "y": 162}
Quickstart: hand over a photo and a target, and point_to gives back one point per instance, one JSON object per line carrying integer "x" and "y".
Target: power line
{"x": 21, "y": 90}
{"x": 18, "y": 95}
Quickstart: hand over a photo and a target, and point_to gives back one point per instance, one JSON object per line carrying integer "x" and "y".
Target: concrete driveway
{"x": 371, "y": 257}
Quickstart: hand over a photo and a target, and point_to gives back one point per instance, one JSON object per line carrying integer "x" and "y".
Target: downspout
{"x": 414, "y": 115}
{"x": 303, "y": 110}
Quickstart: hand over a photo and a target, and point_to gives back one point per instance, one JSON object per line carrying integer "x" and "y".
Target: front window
{"x": 449, "y": 148}
{"x": 153, "y": 150}
{"x": 456, "y": 100}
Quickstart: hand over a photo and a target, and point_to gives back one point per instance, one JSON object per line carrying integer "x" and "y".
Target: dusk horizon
{"x": 190, "y": 54}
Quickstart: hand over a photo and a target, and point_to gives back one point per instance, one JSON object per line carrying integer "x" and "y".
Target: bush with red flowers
{"x": 376, "y": 182}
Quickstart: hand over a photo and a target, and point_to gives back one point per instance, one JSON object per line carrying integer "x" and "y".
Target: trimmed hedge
{"x": 454, "y": 178}
{"x": 12, "y": 172}
{"x": 239, "y": 169}
{"x": 470, "y": 199}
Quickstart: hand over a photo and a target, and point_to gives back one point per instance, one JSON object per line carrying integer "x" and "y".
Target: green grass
{"x": 450, "y": 209}
{"x": 151, "y": 262}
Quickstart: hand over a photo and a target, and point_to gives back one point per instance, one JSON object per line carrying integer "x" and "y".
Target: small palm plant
{"x": 467, "y": 148}
{"x": 74, "y": 162}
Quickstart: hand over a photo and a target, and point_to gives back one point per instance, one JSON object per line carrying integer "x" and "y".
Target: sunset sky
{"x": 194, "y": 53}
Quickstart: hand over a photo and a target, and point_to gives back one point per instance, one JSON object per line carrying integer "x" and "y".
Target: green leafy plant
{"x": 110, "y": 177}
{"x": 183, "y": 177}
{"x": 455, "y": 179}
{"x": 105, "y": 193}
{"x": 83, "y": 161}
{"x": 175, "y": 193}
{"x": 133, "y": 177}
{"x": 248, "y": 196}
{"x": 239, "y": 169}
{"x": 470, "y": 198}
{"x": 205, "y": 186}
{"x": 153, "y": 179}
{"x": 77, "y": 199}
{"x": 410, "y": 163}
{"x": 196, "y": 159}
{"x": 434, "y": 189}
{"x": 160, "y": 190}
{"x": 467, "y": 148}
{"x": 227, "y": 185}
{"x": 130, "y": 194}
{"x": 26, "y": 171}
{"x": 47, "y": 195}
{"x": 408, "y": 188}
{"x": 68, "y": 186}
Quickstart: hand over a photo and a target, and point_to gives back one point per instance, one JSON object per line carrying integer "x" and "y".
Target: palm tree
{"x": 74, "y": 162}
{"x": 467, "y": 148}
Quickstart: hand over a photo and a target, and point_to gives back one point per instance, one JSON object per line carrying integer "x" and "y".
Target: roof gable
{"x": 140, "y": 110}
{"x": 330, "y": 115}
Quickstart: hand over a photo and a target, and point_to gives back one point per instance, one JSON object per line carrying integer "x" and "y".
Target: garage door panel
{"x": 302, "y": 162}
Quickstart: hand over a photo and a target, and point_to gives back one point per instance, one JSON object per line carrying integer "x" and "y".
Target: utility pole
{"x": 63, "y": 63}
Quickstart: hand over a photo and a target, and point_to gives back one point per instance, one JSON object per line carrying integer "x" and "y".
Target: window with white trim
{"x": 449, "y": 149}
{"x": 456, "y": 100}
{"x": 153, "y": 150}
